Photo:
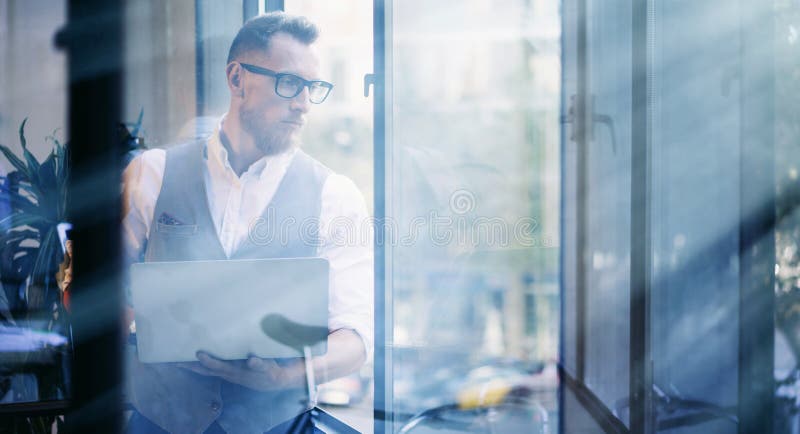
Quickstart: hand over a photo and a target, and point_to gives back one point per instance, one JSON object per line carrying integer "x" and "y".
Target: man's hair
{"x": 256, "y": 33}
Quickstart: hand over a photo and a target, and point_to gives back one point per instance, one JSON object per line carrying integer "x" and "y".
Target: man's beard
{"x": 269, "y": 139}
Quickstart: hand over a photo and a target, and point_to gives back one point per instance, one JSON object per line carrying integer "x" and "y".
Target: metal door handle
{"x": 607, "y": 120}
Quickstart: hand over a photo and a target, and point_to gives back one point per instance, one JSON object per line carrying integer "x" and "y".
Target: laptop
{"x": 232, "y": 309}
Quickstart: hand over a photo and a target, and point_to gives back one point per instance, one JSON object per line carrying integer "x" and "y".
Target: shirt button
{"x": 215, "y": 406}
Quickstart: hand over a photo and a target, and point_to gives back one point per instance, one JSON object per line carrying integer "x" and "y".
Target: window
{"x": 582, "y": 216}
{"x": 669, "y": 214}
{"x": 472, "y": 170}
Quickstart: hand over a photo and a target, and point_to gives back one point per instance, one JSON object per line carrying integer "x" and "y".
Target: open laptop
{"x": 232, "y": 309}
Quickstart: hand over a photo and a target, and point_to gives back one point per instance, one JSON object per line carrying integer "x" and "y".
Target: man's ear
{"x": 234, "y": 73}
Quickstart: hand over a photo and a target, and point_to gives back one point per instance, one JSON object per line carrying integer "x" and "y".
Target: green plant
{"x": 37, "y": 193}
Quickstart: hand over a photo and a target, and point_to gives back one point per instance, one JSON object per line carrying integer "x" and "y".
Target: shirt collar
{"x": 217, "y": 155}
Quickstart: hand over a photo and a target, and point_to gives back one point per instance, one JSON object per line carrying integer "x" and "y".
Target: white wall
{"x": 32, "y": 73}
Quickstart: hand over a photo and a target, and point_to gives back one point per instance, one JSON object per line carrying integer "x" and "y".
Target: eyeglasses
{"x": 290, "y": 85}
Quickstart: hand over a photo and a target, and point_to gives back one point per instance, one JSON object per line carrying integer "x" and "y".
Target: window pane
{"x": 606, "y": 254}
{"x": 342, "y": 133}
{"x": 570, "y": 194}
{"x": 696, "y": 206}
{"x": 474, "y": 154}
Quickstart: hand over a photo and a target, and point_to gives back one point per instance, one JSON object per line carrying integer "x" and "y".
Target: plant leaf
{"x": 15, "y": 194}
{"x": 49, "y": 202}
{"x": 19, "y": 202}
{"x": 17, "y": 182}
{"x": 24, "y": 263}
{"x": 19, "y": 262}
{"x": 33, "y": 163}
{"x": 52, "y": 137}
{"x": 62, "y": 178}
{"x": 22, "y": 133}
{"x": 135, "y": 132}
{"x": 33, "y": 192}
{"x": 40, "y": 267}
{"x": 47, "y": 172}
{"x": 21, "y": 235}
{"x": 20, "y": 219}
{"x": 15, "y": 161}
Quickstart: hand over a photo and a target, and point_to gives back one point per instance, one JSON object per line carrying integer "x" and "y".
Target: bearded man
{"x": 218, "y": 187}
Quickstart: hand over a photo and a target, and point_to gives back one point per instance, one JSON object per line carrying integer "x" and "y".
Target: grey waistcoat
{"x": 176, "y": 399}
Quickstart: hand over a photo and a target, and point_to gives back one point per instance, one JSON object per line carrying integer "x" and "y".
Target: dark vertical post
{"x": 756, "y": 232}
{"x": 93, "y": 38}
{"x": 383, "y": 330}
{"x": 640, "y": 358}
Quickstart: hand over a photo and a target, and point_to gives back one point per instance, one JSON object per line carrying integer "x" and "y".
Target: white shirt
{"x": 236, "y": 202}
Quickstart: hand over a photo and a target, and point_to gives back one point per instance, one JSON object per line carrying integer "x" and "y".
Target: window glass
{"x": 606, "y": 254}
{"x": 570, "y": 193}
{"x": 695, "y": 205}
{"x": 473, "y": 170}
{"x": 342, "y": 133}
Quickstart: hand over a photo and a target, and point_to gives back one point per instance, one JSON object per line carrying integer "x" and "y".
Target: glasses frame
{"x": 278, "y": 75}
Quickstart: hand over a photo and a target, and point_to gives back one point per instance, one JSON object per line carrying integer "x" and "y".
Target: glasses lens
{"x": 318, "y": 91}
{"x": 289, "y": 86}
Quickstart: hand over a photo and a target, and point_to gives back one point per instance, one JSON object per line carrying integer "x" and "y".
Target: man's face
{"x": 275, "y": 122}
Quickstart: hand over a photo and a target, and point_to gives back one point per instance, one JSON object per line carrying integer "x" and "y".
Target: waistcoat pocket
{"x": 176, "y": 230}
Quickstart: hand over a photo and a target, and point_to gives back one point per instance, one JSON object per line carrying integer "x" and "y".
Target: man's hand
{"x": 345, "y": 355}
{"x": 253, "y": 373}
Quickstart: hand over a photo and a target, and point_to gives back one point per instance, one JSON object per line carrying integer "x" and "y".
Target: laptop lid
{"x": 232, "y": 309}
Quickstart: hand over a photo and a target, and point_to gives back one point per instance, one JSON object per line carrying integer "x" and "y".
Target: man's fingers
{"x": 214, "y": 364}
{"x": 255, "y": 373}
{"x": 210, "y": 362}
{"x": 257, "y": 364}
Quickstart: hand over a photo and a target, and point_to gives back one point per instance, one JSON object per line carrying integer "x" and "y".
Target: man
{"x": 219, "y": 187}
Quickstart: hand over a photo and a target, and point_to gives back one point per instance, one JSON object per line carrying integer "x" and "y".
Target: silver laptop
{"x": 232, "y": 309}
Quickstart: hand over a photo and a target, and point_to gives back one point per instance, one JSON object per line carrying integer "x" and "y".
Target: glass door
{"x": 596, "y": 201}
{"x": 470, "y": 170}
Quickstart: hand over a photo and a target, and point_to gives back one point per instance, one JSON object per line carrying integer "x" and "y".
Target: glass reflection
{"x": 474, "y": 212}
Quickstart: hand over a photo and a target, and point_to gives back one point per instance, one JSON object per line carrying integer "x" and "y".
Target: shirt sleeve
{"x": 346, "y": 242}
{"x": 141, "y": 185}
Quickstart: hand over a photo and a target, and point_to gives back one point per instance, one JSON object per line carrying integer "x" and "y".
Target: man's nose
{"x": 301, "y": 101}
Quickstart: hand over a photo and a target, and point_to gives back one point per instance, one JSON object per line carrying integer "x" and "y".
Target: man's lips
{"x": 297, "y": 123}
